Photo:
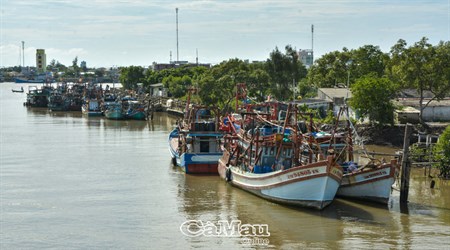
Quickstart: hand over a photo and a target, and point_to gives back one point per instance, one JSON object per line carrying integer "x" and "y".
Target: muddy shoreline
{"x": 393, "y": 135}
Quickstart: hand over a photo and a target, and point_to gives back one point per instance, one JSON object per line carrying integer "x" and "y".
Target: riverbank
{"x": 392, "y": 136}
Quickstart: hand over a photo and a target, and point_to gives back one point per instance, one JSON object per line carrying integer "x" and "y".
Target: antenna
{"x": 170, "y": 56}
{"x": 196, "y": 59}
{"x": 176, "y": 10}
{"x": 23, "y": 53}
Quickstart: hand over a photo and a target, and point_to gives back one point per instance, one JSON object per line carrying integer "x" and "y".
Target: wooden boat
{"x": 113, "y": 111}
{"x": 92, "y": 101}
{"x": 371, "y": 181}
{"x": 91, "y": 107}
{"x": 38, "y": 97}
{"x": 56, "y": 102}
{"x": 18, "y": 90}
{"x": 195, "y": 145}
{"x": 264, "y": 158}
{"x": 134, "y": 110}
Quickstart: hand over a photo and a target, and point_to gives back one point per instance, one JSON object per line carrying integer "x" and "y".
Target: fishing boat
{"x": 372, "y": 182}
{"x": 38, "y": 97}
{"x": 92, "y": 100}
{"x": 91, "y": 107}
{"x": 195, "y": 145}
{"x": 369, "y": 180}
{"x": 113, "y": 111}
{"x": 264, "y": 158}
{"x": 56, "y": 102}
{"x": 18, "y": 90}
{"x": 134, "y": 110}
{"x": 28, "y": 80}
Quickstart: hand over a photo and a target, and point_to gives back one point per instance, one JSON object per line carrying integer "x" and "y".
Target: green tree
{"x": 218, "y": 85}
{"x": 177, "y": 85}
{"x": 285, "y": 71}
{"x": 130, "y": 76}
{"x": 99, "y": 72}
{"x": 371, "y": 97}
{"x": 76, "y": 68}
{"x": 331, "y": 70}
{"x": 422, "y": 66}
{"x": 441, "y": 153}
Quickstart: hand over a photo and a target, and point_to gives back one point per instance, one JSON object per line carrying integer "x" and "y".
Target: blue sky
{"x": 138, "y": 32}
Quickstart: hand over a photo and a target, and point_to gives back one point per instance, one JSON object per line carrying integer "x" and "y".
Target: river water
{"x": 72, "y": 182}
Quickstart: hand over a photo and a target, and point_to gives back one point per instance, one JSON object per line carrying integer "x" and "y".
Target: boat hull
{"x": 140, "y": 115}
{"x": 200, "y": 163}
{"x": 192, "y": 163}
{"x": 114, "y": 115}
{"x": 19, "y": 80}
{"x": 312, "y": 186}
{"x": 372, "y": 185}
{"x": 91, "y": 112}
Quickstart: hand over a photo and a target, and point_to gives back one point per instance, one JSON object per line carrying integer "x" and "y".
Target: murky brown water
{"x": 72, "y": 182}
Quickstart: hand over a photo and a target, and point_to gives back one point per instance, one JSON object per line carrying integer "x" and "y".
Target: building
{"x": 435, "y": 111}
{"x": 41, "y": 61}
{"x": 306, "y": 57}
{"x": 409, "y": 99}
{"x": 339, "y": 98}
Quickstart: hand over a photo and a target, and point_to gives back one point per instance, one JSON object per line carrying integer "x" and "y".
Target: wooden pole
{"x": 406, "y": 166}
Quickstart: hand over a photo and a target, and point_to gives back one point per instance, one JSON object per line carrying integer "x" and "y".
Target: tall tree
{"x": 371, "y": 97}
{"x": 285, "y": 71}
{"x": 331, "y": 70}
{"x": 218, "y": 85}
{"x": 422, "y": 66}
{"x": 130, "y": 76}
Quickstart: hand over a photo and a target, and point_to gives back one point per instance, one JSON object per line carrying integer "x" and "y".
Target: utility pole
{"x": 406, "y": 166}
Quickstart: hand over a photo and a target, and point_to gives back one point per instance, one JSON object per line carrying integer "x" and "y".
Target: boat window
{"x": 272, "y": 150}
{"x": 204, "y": 146}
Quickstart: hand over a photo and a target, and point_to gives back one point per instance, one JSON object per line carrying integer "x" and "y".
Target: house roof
{"x": 413, "y": 93}
{"x": 156, "y": 85}
{"x": 336, "y": 92}
{"x": 414, "y": 102}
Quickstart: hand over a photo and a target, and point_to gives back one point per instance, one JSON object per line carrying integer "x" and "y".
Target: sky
{"x": 110, "y": 33}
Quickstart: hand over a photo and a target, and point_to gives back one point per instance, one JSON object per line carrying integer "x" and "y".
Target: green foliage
{"x": 285, "y": 71}
{"x": 441, "y": 153}
{"x": 419, "y": 153}
{"x": 372, "y": 98}
{"x": 421, "y": 66}
{"x": 130, "y": 76}
{"x": 177, "y": 85}
{"x": 345, "y": 67}
{"x": 306, "y": 90}
{"x": 330, "y": 70}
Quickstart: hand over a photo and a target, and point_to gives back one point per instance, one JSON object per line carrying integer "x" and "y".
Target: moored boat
{"x": 371, "y": 183}
{"x": 18, "y": 90}
{"x": 135, "y": 110}
{"x": 113, "y": 111}
{"x": 92, "y": 101}
{"x": 195, "y": 145}
{"x": 264, "y": 158}
{"x": 91, "y": 107}
{"x": 38, "y": 97}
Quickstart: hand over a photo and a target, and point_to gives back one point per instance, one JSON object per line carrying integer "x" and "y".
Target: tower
{"x": 41, "y": 61}
{"x": 176, "y": 10}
